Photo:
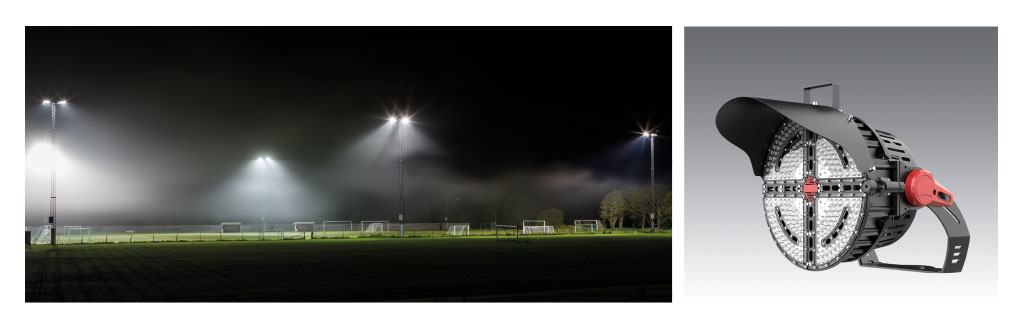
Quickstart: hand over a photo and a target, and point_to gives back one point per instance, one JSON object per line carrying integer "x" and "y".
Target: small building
{"x": 304, "y": 226}
{"x": 231, "y": 227}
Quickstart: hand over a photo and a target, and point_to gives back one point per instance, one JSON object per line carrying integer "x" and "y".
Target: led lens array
{"x": 787, "y": 227}
{"x": 814, "y": 233}
{"x": 835, "y": 226}
{"x": 830, "y": 164}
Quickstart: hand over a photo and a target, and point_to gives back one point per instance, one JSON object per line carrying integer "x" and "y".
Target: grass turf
{"x": 552, "y": 268}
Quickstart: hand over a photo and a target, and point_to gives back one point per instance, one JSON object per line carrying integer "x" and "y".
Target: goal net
{"x": 587, "y": 226}
{"x": 77, "y": 234}
{"x": 458, "y": 230}
{"x": 375, "y": 227}
{"x": 42, "y": 236}
{"x": 533, "y": 227}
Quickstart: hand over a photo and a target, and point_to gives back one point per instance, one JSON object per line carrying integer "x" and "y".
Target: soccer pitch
{"x": 613, "y": 267}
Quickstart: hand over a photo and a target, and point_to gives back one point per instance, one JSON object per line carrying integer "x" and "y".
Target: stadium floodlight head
{"x": 834, "y": 188}
{"x": 62, "y": 102}
{"x": 46, "y": 101}
{"x": 392, "y": 120}
{"x": 406, "y": 120}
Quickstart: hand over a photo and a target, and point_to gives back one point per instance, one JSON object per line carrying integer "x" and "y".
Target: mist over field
{"x": 167, "y": 125}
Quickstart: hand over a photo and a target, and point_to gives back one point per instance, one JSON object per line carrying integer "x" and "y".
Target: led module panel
{"x": 834, "y": 188}
{"x": 811, "y": 216}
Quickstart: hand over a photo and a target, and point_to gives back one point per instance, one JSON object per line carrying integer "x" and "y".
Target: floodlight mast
{"x": 263, "y": 205}
{"x": 650, "y": 136}
{"x": 401, "y": 179}
{"x": 401, "y": 171}
{"x": 53, "y": 168}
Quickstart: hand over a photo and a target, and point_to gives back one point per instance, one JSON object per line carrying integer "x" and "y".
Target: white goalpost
{"x": 374, "y": 226}
{"x": 458, "y": 230}
{"x": 77, "y": 233}
{"x": 531, "y": 227}
{"x": 337, "y": 226}
{"x": 587, "y": 226}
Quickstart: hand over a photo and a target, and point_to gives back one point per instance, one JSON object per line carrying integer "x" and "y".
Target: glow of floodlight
{"x": 392, "y": 120}
{"x": 405, "y": 120}
{"x": 46, "y": 101}
{"x": 62, "y": 102}
{"x": 646, "y": 134}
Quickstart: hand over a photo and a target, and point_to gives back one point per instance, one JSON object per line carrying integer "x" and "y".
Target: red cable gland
{"x": 923, "y": 190}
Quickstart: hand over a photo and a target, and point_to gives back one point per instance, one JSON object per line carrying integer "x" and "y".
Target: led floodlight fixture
{"x": 835, "y": 189}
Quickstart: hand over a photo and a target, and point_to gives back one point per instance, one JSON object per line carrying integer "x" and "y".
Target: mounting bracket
{"x": 835, "y": 94}
{"x": 956, "y": 245}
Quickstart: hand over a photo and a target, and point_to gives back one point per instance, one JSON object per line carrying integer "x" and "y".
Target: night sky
{"x": 172, "y": 114}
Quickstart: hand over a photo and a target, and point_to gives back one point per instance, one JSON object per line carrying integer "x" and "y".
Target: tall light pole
{"x": 53, "y": 168}
{"x": 650, "y": 136}
{"x": 401, "y": 173}
{"x": 263, "y": 205}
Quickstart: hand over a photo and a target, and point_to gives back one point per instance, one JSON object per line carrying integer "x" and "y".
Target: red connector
{"x": 922, "y": 190}
{"x": 810, "y": 188}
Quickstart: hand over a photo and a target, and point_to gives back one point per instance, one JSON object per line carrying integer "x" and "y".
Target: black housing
{"x": 884, "y": 160}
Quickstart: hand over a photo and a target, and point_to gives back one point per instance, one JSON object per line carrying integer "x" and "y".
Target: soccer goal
{"x": 533, "y": 227}
{"x": 304, "y": 226}
{"x": 230, "y": 227}
{"x": 503, "y": 233}
{"x": 587, "y": 226}
{"x": 272, "y": 233}
{"x": 42, "y": 236}
{"x": 77, "y": 234}
{"x": 377, "y": 227}
{"x": 458, "y": 230}
{"x": 337, "y": 226}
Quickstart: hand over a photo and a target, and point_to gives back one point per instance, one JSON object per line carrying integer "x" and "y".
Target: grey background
{"x": 934, "y": 88}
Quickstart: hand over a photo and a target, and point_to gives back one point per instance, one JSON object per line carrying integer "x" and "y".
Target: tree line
{"x": 630, "y": 207}
{"x": 635, "y": 206}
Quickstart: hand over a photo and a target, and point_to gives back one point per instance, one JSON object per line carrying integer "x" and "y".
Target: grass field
{"x": 616, "y": 267}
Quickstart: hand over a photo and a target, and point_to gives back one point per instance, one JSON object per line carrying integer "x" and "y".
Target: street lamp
{"x": 650, "y": 136}
{"x": 53, "y": 168}
{"x": 401, "y": 172}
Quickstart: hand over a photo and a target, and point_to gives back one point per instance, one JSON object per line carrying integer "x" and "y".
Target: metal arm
{"x": 956, "y": 246}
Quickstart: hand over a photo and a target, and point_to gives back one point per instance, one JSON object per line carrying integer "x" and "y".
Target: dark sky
{"x": 179, "y": 109}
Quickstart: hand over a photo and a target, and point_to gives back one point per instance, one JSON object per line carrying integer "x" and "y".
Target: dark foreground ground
{"x": 555, "y": 268}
